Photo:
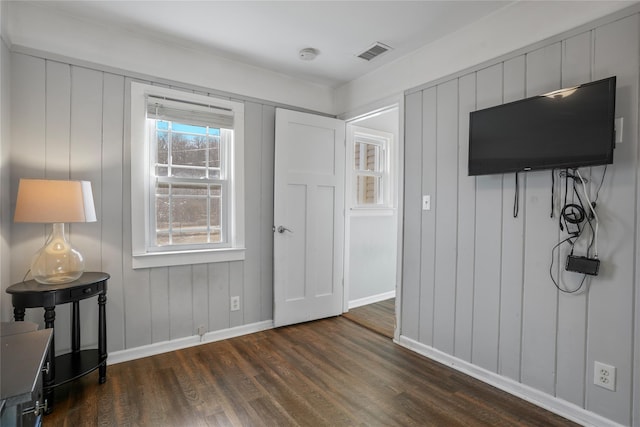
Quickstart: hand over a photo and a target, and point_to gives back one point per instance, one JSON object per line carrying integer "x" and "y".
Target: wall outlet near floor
{"x": 235, "y": 303}
{"x": 604, "y": 376}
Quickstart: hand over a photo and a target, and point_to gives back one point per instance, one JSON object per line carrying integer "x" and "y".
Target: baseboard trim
{"x": 372, "y": 299}
{"x": 553, "y": 404}
{"x": 180, "y": 343}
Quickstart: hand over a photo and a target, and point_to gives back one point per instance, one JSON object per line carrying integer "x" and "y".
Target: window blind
{"x": 188, "y": 113}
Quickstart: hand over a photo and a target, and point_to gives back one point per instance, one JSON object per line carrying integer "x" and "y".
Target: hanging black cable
{"x": 604, "y": 173}
{"x": 516, "y": 200}
{"x": 555, "y": 283}
{"x": 553, "y": 190}
{"x": 572, "y": 217}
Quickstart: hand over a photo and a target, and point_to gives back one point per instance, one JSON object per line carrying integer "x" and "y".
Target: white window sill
{"x": 372, "y": 211}
{"x": 166, "y": 259}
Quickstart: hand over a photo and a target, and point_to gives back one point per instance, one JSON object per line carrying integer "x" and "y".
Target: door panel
{"x": 308, "y": 217}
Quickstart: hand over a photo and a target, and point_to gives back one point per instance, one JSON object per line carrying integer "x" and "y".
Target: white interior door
{"x": 308, "y": 217}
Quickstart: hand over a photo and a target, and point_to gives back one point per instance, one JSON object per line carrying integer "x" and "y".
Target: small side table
{"x": 70, "y": 366}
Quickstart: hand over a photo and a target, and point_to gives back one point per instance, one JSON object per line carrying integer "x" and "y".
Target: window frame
{"x": 144, "y": 253}
{"x": 384, "y": 140}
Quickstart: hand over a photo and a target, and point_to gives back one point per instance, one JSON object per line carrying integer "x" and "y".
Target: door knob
{"x": 282, "y": 229}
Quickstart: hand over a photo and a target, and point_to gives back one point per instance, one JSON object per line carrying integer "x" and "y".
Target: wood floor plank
{"x": 379, "y": 317}
{"x": 331, "y": 372}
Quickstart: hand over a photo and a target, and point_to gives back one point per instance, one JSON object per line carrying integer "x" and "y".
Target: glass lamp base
{"x": 57, "y": 262}
{"x": 58, "y": 279}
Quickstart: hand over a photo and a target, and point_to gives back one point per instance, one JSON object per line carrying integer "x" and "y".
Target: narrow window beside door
{"x": 371, "y": 169}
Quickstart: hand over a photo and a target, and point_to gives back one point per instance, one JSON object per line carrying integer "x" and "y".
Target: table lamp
{"x": 55, "y": 202}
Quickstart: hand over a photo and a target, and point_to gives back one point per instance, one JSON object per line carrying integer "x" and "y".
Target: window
{"x": 186, "y": 172}
{"x": 370, "y": 173}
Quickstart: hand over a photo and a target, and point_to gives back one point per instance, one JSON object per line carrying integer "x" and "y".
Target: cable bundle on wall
{"x": 573, "y": 215}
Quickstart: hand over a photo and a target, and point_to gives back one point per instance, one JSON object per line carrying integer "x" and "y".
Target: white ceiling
{"x": 269, "y": 34}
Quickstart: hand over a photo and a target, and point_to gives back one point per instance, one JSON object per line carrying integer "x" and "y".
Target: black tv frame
{"x": 543, "y": 132}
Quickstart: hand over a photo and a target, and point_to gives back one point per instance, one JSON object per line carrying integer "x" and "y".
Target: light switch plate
{"x": 619, "y": 126}
{"x": 426, "y": 203}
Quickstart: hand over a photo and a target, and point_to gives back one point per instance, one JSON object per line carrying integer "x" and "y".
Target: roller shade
{"x": 188, "y": 113}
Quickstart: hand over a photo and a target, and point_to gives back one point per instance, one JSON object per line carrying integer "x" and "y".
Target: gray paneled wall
{"x": 475, "y": 279}
{"x": 71, "y": 122}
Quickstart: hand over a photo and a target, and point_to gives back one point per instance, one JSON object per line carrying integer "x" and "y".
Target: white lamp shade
{"x": 54, "y": 201}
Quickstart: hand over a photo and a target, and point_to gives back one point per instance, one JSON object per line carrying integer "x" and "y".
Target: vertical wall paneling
{"x": 28, "y": 134}
{"x": 488, "y": 240}
{"x": 252, "y": 164}
{"x": 466, "y": 224}
{"x": 57, "y": 165}
{"x": 428, "y": 234}
{"x": 159, "y": 301}
{"x": 180, "y": 302}
{"x": 218, "y": 296}
{"x": 610, "y": 333}
{"x": 540, "y": 296}
{"x": 58, "y": 120}
{"x": 572, "y": 308}
{"x": 509, "y": 317}
{"x": 112, "y": 214}
{"x": 137, "y": 304}
{"x": 73, "y": 122}
{"x": 266, "y": 221}
{"x": 636, "y": 308}
{"x": 200, "y": 296}
{"x": 136, "y": 283}
{"x": 446, "y": 212}
{"x": 84, "y": 134}
{"x": 85, "y": 162}
{"x": 236, "y": 286}
{"x": 411, "y": 260}
{"x": 5, "y": 178}
{"x": 509, "y": 351}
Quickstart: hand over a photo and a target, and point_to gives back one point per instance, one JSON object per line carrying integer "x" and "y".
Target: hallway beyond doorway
{"x": 378, "y": 317}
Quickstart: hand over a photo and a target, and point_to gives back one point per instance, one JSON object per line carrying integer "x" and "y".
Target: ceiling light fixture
{"x": 308, "y": 54}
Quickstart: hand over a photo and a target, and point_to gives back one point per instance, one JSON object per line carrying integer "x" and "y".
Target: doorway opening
{"x": 372, "y": 219}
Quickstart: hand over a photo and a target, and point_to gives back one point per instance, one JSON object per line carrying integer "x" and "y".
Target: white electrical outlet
{"x": 604, "y": 376}
{"x": 201, "y": 330}
{"x": 235, "y": 303}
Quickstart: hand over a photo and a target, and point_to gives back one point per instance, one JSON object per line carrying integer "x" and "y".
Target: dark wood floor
{"x": 330, "y": 372}
{"x": 379, "y": 317}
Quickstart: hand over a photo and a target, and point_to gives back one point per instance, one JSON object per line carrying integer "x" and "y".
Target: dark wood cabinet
{"x": 23, "y": 361}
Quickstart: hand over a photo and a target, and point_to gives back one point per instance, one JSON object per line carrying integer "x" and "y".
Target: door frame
{"x": 352, "y": 118}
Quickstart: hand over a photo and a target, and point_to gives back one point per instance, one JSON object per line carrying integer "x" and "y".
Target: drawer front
{"x": 83, "y": 292}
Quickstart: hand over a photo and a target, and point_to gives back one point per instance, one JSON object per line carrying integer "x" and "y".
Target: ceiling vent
{"x": 376, "y": 50}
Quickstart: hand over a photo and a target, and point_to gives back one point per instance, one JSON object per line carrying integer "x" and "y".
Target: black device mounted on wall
{"x": 582, "y": 264}
{"x": 567, "y": 128}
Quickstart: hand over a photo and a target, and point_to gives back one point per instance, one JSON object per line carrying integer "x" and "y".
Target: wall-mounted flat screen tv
{"x": 567, "y": 128}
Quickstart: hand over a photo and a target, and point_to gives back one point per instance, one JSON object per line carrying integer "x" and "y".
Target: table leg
{"x": 50, "y": 376}
{"x": 102, "y": 336}
{"x": 18, "y": 314}
{"x": 75, "y": 327}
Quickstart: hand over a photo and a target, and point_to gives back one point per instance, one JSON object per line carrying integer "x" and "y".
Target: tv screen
{"x": 567, "y": 128}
